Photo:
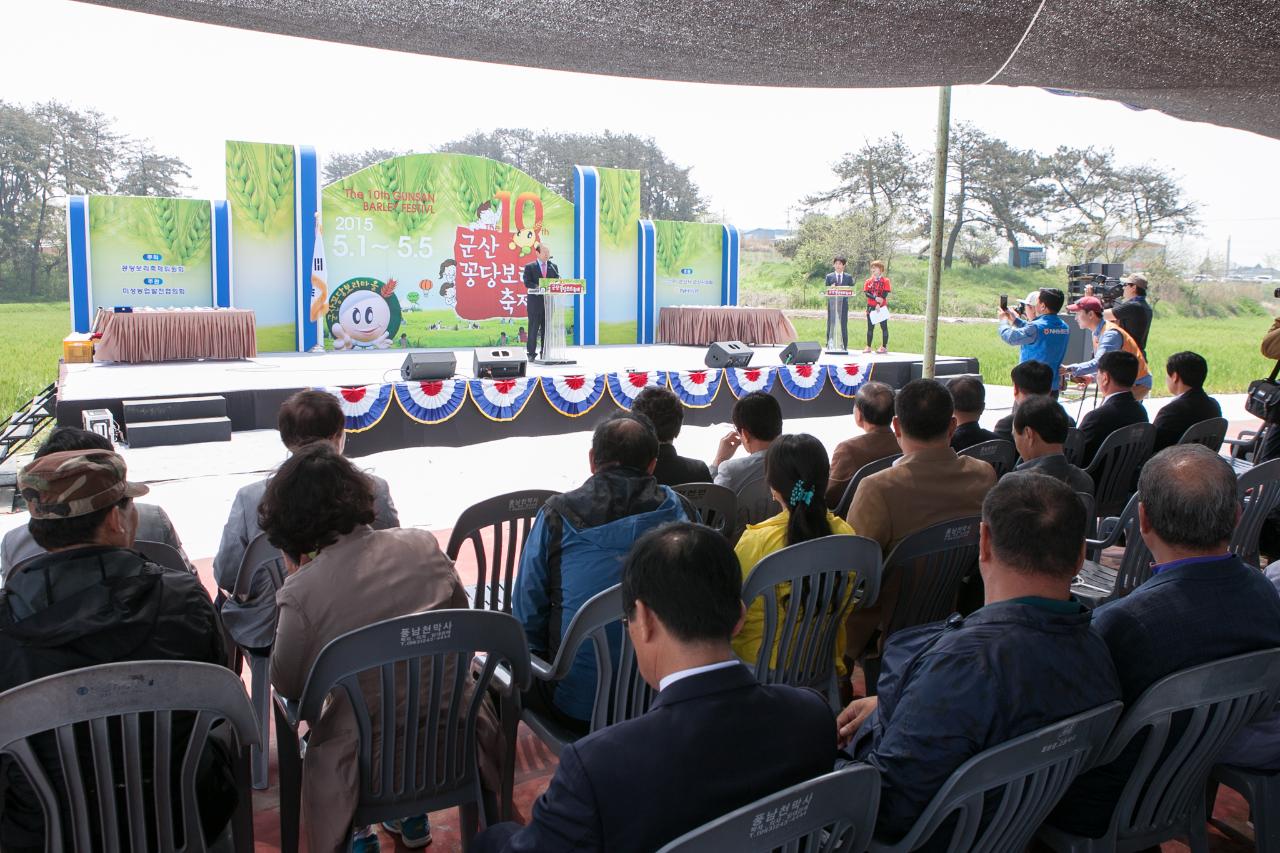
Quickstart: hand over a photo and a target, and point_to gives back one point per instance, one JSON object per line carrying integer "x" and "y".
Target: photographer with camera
{"x": 1042, "y": 335}
{"x": 1107, "y": 337}
{"x": 1134, "y": 312}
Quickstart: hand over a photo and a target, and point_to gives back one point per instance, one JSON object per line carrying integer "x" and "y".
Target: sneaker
{"x": 882, "y": 350}
{"x": 868, "y": 349}
{"x": 415, "y": 832}
{"x": 367, "y": 843}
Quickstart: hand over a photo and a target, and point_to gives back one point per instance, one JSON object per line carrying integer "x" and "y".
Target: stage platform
{"x": 254, "y": 389}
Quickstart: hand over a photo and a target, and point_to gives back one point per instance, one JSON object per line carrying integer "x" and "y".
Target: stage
{"x": 386, "y": 414}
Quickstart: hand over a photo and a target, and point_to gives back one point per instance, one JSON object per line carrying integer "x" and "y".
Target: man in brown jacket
{"x": 873, "y": 414}
{"x": 929, "y": 484}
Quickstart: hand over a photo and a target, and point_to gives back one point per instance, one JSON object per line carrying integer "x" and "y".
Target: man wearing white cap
{"x": 1042, "y": 335}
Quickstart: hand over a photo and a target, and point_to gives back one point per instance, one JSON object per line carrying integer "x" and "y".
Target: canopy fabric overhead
{"x": 1202, "y": 60}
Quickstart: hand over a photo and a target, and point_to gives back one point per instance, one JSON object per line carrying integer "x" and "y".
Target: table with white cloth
{"x": 703, "y": 324}
{"x": 169, "y": 334}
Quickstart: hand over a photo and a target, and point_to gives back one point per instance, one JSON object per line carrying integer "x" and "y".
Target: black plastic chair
{"x": 1260, "y": 495}
{"x": 823, "y": 580}
{"x": 1115, "y": 466}
{"x": 1261, "y": 790}
{"x": 998, "y": 453}
{"x": 716, "y": 505}
{"x": 100, "y": 719}
{"x": 507, "y": 520}
{"x": 1016, "y": 784}
{"x": 873, "y": 467}
{"x": 1073, "y": 447}
{"x": 1245, "y": 447}
{"x": 428, "y": 658}
{"x": 1207, "y": 433}
{"x": 1165, "y": 794}
{"x": 1097, "y": 584}
{"x": 261, "y": 559}
{"x": 162, "y": 554}
{"x": 621, "y": 692}
{"x": 929, "y": 565}
{"x": 835, "y": 813}
{"x": 755, "y": 503}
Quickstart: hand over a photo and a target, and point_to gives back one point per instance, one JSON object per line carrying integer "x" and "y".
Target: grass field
{"x": 29, "y": 350}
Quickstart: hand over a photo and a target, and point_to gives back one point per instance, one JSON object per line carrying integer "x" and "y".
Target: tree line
{"x": 1078, "y": 199}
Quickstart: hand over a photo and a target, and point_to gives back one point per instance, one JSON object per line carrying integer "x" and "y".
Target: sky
{"x": 754, "y": 151}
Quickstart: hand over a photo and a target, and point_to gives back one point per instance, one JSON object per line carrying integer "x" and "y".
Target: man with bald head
{"x": 534, "y": 273}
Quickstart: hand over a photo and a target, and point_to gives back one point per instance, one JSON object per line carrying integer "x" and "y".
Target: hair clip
{"x": 799, "y": 494}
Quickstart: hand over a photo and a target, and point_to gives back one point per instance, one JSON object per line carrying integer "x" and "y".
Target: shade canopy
{"x": 1202, "y": 60}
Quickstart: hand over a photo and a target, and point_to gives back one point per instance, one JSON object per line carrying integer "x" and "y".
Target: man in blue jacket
{"x": 576, "y": 549}
{"x": 1028, "y": 658}
{"x": 714, "y": 738}
{"x": 1043, "y": 335}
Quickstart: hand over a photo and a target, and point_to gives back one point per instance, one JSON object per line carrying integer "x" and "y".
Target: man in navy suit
{"x": 1185, "y": 375}
{"x": 534, "y": 273}
{"x": 838, "y": 307}
{"x": 1201, "y": 604}
{"x": 1117, "y": 371}
{"x": 714, "y": 739}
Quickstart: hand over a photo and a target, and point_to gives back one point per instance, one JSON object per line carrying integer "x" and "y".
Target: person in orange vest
{"x": 1107, "y": 337}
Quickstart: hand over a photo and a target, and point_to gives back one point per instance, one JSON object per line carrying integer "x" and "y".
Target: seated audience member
{"x": 664, "y": 408}
{"x": 153, "y": 523}
{"x": 92, "y": 600}
{"x": 873, "y": 414}
{"x": 1030, "y": 379}
{"x": 576, "y": 548}
{"x": 1201, "y": 604}
{"x": 305, "y": 417}
{"x": 929, "y": 484}
{"x": 1039, "y": 429}
{"x": 710, "y": 742}
{"x": 796, "y": 468}
{"x": 342, "y": 575}
{"x": 946, "y": 689}
{"x": 757, "y": 421}
{"x": 970, "y": 397}
{"x": 1116, "y": 371}
{"x": 1186, "y": 372}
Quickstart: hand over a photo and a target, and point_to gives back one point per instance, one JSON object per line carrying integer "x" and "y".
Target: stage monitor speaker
{"x": 421, "y": 366}
{"x": 801, "y": 352}
{"x": 728, "y": 354}
{"x": 499, "y": 363}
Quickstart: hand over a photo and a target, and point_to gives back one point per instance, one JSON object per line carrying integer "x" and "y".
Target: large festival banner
{"x": 688, "y": 263}
{"x": 427, "y": 250}
{"x": 619, "y": 194}
{"x": 150, "y": 252}
{"x": 261, "y": 186}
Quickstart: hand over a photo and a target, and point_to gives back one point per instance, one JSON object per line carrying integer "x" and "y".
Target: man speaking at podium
{"x": 534, "y": 273}
{"x": 838, "y": 307}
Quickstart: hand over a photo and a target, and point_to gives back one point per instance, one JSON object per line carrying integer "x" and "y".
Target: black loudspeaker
{"x": 499, "y": 363}
{"x": 801, "y": 352}
{"x": 728, "y": 354}
{"x": 420, "y": 366}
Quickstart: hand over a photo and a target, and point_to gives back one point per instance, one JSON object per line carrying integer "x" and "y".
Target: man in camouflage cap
{"x": 93, "y": 600}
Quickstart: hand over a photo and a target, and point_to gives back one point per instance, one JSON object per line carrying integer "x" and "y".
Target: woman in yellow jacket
{"x": 796, "y": 468}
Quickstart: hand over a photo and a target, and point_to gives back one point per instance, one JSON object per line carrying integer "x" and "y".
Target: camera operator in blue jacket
{"x": 1042, "y": 335}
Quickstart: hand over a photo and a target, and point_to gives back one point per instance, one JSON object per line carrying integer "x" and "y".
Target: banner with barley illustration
{"x": 619, "y": 199}
{"x": 428, "y": 250}
{"x": 260, "y": 191}
{"x": 688, "y": 263}
{"x": 151, "y": 252}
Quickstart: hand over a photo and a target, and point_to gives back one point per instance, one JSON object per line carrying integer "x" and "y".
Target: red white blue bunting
{"x": 846, "y": 379}
{"x": 433, "y": 401}
{"x": 803, "y": 381}
{"x": 502, "y": 399}
{"x": 626, "y": 385}
{"x": 696, "y": 388}
{"x": 573, "y": 396}
{"x": 363, "y": 405}
{"x": 744, "y": 380}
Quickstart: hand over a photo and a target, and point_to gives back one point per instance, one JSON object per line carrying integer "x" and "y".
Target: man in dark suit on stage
{"x": 1185, "y": 375}
{"x": 1117, "y": 371}
{"x": 838, "y": 308}
{"x": 534, "y": 273}
{"x": 711, "y": 741}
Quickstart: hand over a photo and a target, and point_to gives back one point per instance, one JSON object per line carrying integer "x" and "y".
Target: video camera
{"x": 1103, "y": 278}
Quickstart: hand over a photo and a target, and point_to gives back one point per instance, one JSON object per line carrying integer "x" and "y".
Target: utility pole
{"x": 934, "y": 290}
{"x": 1226, "y": 274}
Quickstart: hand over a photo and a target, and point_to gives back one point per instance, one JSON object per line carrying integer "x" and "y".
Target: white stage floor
{"x": 301, "y": 370}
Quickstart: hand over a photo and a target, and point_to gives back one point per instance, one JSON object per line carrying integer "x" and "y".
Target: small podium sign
{"x": 566, "y": 286}
{"x": 836, "y": 292}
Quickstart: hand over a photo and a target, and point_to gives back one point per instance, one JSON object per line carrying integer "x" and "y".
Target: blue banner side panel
{"x": 308, "y": 176}
{"x": 221, "y": 254}
{"x": 729, "y": 271}
{"x": 648, "y": 260}
{"x": 78, "y": 263}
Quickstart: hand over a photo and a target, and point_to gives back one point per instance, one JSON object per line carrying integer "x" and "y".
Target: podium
{"x": 837, "y": 319}
{"x": 559, "y": 296}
